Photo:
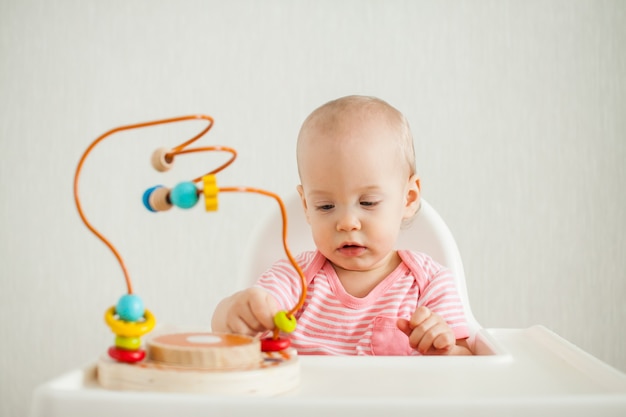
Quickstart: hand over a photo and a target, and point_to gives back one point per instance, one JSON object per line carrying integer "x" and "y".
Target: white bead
{"x": 160, "y": 161}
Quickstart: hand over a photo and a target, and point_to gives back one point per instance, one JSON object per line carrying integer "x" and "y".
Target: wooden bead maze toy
{"x": 216, "y": 363}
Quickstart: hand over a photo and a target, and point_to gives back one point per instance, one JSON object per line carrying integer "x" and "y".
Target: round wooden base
{"x": 211, "y": 351}
{"x": 211, "y": 363}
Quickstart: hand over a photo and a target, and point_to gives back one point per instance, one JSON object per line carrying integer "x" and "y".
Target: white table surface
{"x": 534, "y": 372}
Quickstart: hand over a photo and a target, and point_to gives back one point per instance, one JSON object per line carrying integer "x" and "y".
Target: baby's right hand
{"x": 250, "y": 312}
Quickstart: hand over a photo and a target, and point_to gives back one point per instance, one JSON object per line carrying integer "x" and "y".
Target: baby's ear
{"x": 413, "y": 192}
{"x": 303, "y": 200}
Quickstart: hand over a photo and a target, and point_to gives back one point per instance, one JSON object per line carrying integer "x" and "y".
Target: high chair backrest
{"x": 426, "y": 232}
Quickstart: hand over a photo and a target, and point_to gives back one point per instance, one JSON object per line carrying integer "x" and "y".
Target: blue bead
{"x": 184, "y": 195}
{"x": 146, "y": 197}
{"x": 130, "y": 308}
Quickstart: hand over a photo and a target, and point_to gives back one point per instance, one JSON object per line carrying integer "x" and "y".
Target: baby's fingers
{"x": 419, "y": 316}
{"x": 237, "y": 324}
{"x": 252, "y": 311}
{"x": 404, "y": 326}
{"x": 445, "y": 341}
{"x": 437, "y": 340}
{"x": 262, "y": 308}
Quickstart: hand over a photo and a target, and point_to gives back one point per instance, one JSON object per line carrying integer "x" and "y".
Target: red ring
{"x": 274, "y": 345}
{"x": 125, "y": 355}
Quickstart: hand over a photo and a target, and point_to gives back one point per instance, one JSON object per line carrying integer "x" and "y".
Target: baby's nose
{"x": 348, "y": 221}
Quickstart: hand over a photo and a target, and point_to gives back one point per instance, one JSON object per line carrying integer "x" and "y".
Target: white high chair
{"x": 517, "y": 372}
{"x": 426, "y": 232}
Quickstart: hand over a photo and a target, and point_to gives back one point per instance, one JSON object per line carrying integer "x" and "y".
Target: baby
{"x": 358, "y": 186}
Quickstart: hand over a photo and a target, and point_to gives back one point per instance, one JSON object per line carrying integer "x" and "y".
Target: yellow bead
{"x": 128, "y": 343}
{"x": 210, "y": 192}
{"x": 284, "y": 323}
{"x": 129, "y": 329}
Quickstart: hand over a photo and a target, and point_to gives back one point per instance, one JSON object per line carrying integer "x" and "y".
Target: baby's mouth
{"x": 351, "y": 249}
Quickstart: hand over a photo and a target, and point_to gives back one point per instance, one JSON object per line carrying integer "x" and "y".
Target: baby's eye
{"x": 325, "y": 207}
{"x": 369, "y": 203}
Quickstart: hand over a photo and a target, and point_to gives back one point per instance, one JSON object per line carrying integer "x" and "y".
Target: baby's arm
{"x": 429, "y": 334}
{"x": 250, "y": 312}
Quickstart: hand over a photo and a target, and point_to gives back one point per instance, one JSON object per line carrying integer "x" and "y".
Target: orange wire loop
{"x": 283, "y": 212}
{"x": 179, "y": 150}
{"x": 81, "y": 162}
{"x": 211, "y": 148}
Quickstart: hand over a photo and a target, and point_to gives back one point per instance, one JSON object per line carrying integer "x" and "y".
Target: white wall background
{"x": 518, "y": 108}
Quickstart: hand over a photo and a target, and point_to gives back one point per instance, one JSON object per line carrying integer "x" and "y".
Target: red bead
{"x": 274, "y": 345}
{"x": 128, "y": 356}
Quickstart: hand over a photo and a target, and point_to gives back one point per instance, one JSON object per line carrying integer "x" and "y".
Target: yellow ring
{"x": 127, "y": 328}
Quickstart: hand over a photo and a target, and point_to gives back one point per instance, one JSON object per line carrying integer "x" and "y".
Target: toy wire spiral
{"x": 129, "y": 320}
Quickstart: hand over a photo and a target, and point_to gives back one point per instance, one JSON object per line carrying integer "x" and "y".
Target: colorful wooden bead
{"x": 130, "y": 307}
{"x": 284, "y": 323}
{"x": 129, "y": 329}
{"x": 210, "y": 192}
{"x": 274, "y": 345}
{"x": 184, "y": 195}
{"x": 146, "y": 197}
{"x": 128, "y": 343}
{"x": 159, "y": 199}
{"x": 160, "y": 159}
{"x": 125, "y": 355}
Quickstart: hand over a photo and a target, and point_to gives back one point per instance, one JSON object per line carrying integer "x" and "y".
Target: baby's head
{"x": 350, "y": 115}
{"x": 358, "y": 182}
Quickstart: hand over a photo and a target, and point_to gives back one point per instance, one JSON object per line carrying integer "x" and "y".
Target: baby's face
{"x": 356, "y": 191}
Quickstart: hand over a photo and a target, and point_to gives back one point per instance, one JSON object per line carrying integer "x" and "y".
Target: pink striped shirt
{"x": 333, "y": 322}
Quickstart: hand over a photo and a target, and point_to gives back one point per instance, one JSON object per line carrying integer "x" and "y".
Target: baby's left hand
{"x": 428, "y": 332}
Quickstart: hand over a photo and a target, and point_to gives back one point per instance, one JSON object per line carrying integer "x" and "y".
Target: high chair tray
{"x": 530, "y": 372}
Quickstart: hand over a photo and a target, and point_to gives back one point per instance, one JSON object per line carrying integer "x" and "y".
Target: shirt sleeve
{"x": 283, "y": 282}
{"x": 439, "y": 292}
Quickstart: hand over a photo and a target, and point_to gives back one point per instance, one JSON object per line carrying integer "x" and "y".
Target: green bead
{"x": 284, "y": 323}
{"x": 128, "y": 343}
